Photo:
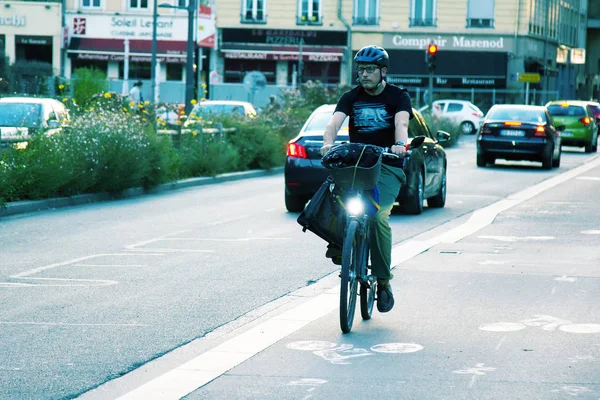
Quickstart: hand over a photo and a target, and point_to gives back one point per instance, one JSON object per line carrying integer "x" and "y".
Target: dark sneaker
{"x": 335, "y": 253}
{"x": 385, "y": 298}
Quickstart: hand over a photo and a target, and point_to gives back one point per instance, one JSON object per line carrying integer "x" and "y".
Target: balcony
{"x": 371, "y": 21}
{"x": 480, "y": 23}
{"x": 422, "y": 22}
{"x": 249, "y": 18}
{"x": 309, "y": 20}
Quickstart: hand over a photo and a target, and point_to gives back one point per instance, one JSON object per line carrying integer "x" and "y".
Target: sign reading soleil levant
{"x": 132, "y": 27}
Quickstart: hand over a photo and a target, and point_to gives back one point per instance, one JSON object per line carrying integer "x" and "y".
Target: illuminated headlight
{"x": 355, "y": 206}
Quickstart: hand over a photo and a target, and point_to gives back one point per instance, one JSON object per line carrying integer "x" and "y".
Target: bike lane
{"x": 502, "y": 306}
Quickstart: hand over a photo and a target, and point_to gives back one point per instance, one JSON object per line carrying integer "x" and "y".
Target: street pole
{"x": 430, "y": 92}
{"x": 189, "y": 73}
{"x": 154, "y": 50}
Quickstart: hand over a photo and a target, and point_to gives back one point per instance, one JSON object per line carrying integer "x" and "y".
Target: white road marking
{"x": 226, "y": 240}
{"x": 546, "y": 322}
{"x": 307, "y": 382}
{"x": 180, "y": 381}
{"x": 572, "y": 390}
{"x": 500, "y": 344}
{"x": 397, "y": 348}
{"x": 491, "y": 262}
{"x": 478, "y": 370}
{"x": 112, "y": 265}
{"x": 342, "y": 354}
{"x": 580, "y": 328}
{"x": 517, "y": 238}
{"x": 588, "y": 178}
{"x": 502, "y": 327}
{"x": 553, "y": 290}
{"x": 591, "y": 232}
{"x": 565, "y": 278}
{"x": 311, "y": 345}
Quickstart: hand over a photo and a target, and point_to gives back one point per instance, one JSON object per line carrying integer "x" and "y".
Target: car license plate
{"x": 512, "y": 133}
{"x": 566, "y": 134}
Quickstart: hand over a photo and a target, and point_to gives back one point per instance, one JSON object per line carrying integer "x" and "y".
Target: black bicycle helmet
{"x": 373, "y": 55}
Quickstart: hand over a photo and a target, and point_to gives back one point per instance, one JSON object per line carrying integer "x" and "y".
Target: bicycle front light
{"x": 355, "y": 206}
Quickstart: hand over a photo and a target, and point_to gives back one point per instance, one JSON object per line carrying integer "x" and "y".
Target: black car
{"x": 519, "y": 132}
{"x": 425, "y": 171}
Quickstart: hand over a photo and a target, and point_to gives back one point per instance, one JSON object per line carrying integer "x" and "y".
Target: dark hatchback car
{"x": 519, "y": 132}
{"x": 425, "y": 171}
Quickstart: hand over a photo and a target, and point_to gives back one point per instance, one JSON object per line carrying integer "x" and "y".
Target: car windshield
{"x": 566, "y": 111}
{"x": 206, "y": 109}
{"x": 320, "y": 120}
{"x": 516, "y": 114}
{"x": 25, "y": 115}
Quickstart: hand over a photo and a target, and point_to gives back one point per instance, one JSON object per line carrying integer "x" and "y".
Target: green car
{"x": 580, "y": 123}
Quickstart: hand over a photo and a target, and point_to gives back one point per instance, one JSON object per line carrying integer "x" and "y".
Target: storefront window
{"x": 236, "y": 69}
{"x": 326, "y": 73}
{"x": 175, "y": 72}
{"x": 137, "y": 70}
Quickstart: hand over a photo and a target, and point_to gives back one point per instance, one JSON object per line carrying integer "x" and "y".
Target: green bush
{"x": 87, "y": 83}
{"x": 443, "y": 124}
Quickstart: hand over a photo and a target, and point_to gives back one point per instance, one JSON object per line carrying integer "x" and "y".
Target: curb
{"x": 28, "y": 206}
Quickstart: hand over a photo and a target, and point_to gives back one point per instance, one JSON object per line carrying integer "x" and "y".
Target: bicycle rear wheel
{"x": 349, "y": 283}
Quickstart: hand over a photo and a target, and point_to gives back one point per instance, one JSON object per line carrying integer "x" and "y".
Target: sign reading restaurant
{"x": 450, "y": 42}
{"x": 132, "y": 27}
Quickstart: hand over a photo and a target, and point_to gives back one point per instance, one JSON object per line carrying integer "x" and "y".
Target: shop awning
{"x": 165, "y": 48}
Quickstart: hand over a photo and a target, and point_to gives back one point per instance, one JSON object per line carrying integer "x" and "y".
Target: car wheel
{"x": 589, "y": 148}
{"x": 547, "y": 160}
{"x": 414, "y": 204}
{"x": 294, "y": 203}
{"x": 467, "y": 128}
{"x": 556, "y": 161}
{"x": 481, "y": 160}
{"x": 439, "y": 200}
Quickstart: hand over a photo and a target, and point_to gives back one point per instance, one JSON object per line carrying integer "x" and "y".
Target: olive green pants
{"x": 389, "y": 183}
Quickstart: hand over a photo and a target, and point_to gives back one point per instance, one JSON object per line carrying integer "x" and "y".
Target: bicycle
{"x": 355, "y": 244}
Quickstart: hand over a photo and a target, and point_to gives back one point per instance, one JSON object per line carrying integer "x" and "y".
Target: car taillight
{"x": 585, "y": 120}
{"x": 296, "y": 150}
{"x": 485, "y": 130}
{"x": 540, "y": 131}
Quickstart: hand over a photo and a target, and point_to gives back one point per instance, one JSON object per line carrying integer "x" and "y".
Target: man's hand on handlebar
{"x": 398, "y": 149}
{"x": 325, "y": 149}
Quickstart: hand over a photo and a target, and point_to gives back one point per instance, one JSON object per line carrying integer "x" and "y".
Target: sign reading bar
{"x": 529, "y": 77}
{"x": 448, "y": 82}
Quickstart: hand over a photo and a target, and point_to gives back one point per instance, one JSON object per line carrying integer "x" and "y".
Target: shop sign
{"x": 121, "y": 57}
{"x": 264, "y": 55}
{"x": 13, "y": 20}
{"x": 40, "y": 40}
{"x": 449, "y": 42}
{"x": 577, "y": 56}
{"x": 131, "y": 27}
{"x": 207, "y": 31}
{"x": 284, "y": 37}
{"x": 561, "y": 55}
{"x": 455, "y": 82}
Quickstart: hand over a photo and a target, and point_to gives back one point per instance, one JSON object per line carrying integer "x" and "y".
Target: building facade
{"x": 591, "y": 89}
{"x": 31, "y": 31}
{"x": 483, "y": 44}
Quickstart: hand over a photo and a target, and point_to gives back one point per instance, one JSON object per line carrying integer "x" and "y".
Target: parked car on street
{"x": 519, "y": 132}
{"x": 581, "y": 128}
{"x": 425, "y": 170}
{"x": 22, "y": 117}
{"x": 460, "y": 112}
{"x": 595, "y": 107}
{"x": 207, "y": 108}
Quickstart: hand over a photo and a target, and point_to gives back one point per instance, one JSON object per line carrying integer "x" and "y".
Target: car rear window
{"x": 566, "y": 111}
{"x": 455, "y": 107}
{"x": 516, "y": 114}
{"x": 320, "y": 120}
{"x": 595, "y": 109}
{"x": 25, "y": 115}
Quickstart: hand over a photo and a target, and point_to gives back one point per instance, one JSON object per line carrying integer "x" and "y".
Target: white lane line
{"x": 226, "y": 240}
{"x": 202, "y": 369}
{"x": 112, "y": 265}
{"x": 588, "y": 178}
{"x": 500, "y": 344}
{"x": 67, "y": 324}
{"x": 208, "y": 366}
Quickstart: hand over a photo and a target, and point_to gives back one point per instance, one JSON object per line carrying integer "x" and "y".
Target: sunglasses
{"x": 369, "y": 70}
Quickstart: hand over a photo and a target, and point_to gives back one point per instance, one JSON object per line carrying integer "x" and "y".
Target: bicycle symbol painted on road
{"x": 545, "y": 322}
{"x": 342, "y": 354}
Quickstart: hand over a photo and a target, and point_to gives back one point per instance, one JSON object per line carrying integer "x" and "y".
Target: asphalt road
{"x": 91, "y": 293}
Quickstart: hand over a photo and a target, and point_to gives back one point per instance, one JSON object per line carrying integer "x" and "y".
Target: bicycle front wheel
{"x": 349, "y": 284}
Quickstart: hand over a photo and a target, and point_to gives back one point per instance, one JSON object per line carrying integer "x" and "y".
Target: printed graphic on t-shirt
{"x": 371, "y": 117}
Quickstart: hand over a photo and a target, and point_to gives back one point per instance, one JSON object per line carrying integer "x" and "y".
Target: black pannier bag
{"x": 324, "y": 215}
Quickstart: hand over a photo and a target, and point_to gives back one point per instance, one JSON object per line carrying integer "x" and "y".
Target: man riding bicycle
{"x": 379, "y": 113}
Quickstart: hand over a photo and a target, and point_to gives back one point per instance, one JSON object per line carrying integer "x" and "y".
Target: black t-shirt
{"x": 372, "y": 118}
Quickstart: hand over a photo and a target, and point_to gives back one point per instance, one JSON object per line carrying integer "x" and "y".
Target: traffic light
{"x": 432, "y": 50}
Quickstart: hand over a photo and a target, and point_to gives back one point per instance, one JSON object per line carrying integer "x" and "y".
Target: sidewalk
{"x": 22, "y": 207}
